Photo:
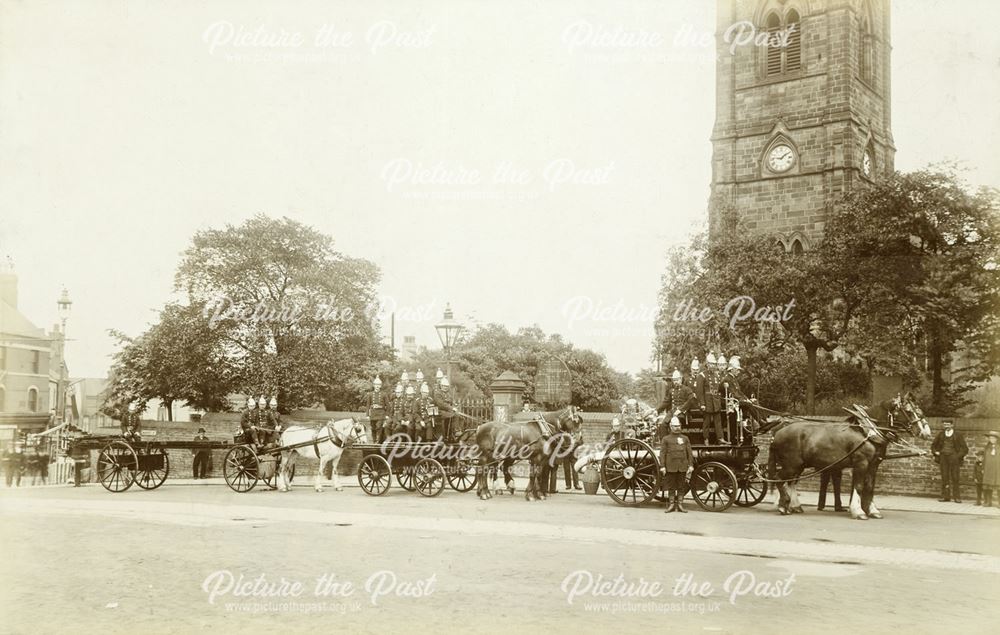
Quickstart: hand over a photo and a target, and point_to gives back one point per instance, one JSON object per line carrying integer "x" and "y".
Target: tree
{"x": 492, "y": 349}
{"x": 907, "y": 271}
{"x": 178, "y": 359}
{"x": 934, "y": 244}
{"x": 295, "y": 316}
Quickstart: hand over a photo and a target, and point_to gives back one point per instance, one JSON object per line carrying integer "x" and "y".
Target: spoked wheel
{"x": 374, "y": 475}
{"x": 713, "y": 486}
{"x": 405, "y": 478}
{"x": 428, "y": 477}
{"x": 751, "y": 488}
{"x": 154, "y": 464}
{"x": 629, "y": 472}
{"x": 462, "y": 475}
{"x": 241, "y": 469}
{"x": 116, "y": 466}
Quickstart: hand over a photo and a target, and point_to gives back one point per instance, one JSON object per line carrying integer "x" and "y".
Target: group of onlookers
{"x": 30, "y": 463}
{"x": 949, "y": 449}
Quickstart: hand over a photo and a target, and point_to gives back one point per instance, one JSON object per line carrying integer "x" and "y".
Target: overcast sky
{"x": 490, "y": 154}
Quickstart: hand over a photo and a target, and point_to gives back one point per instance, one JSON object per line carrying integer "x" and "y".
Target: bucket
{"x": 591, "y": 479}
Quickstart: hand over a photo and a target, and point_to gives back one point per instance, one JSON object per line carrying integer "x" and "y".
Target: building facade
{"x": 27, "y": 355}
{"x": 802, "y": 120}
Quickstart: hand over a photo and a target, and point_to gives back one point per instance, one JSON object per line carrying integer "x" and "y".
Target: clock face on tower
{"x": 781, "y": 158}
{"x": 866, "y": 163}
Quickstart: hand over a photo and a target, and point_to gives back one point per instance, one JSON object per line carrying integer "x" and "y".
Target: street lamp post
{"x": 448, "y": 330}
{"x": 65, "y": 305}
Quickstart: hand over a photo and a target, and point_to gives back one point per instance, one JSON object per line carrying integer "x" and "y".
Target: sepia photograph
{"x": 470, "y": 316}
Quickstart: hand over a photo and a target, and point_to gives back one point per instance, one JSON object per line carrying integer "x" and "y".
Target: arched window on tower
{"x": 773, "y": 25}
{"x": 784, "y": 49}
{"x": 865, "y": 46}
{"x": 793, "y": 52}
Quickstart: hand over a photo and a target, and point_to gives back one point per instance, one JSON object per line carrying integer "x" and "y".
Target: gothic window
{"x": 865, "y": 46}
{"x": 783, "y": 59}
{"x": 797, "y": 247}
{"x": 793, "y": 52}
{"x": 32, "y": 400}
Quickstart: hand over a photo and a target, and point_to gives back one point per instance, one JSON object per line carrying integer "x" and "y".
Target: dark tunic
{"x": 675, "y": 452}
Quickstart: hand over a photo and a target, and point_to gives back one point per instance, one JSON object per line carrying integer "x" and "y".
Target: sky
{"x": 528, "y": 162}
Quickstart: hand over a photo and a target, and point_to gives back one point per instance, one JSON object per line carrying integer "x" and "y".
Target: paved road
{"x": 172, "y": 561}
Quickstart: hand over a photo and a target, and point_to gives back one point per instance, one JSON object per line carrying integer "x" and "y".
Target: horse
{"x": 522, "y": 440}
{"x": 327, "y": 442}
{"x": 859, "y": 443}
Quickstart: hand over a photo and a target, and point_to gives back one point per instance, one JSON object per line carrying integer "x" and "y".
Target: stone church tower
{"x": 799, "y": 125}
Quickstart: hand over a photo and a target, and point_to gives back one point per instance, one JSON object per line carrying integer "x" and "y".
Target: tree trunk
{"x": 937, "y": 386}
{"x": 811, "y": 379}
{"x": 170, "y": 409}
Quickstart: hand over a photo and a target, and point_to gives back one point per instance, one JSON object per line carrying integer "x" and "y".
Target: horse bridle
{"x": 334, "y": 436}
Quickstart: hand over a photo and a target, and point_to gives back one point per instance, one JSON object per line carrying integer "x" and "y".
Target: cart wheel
{"x": 462, "y": 475}
{"x": 116, "y": 466}
{"x": 428, "y": 478}
{"x": 713, "y": 486}
{"x": 630, "y": 473}
{"x": 154, "y": 464}
{"x": 374, "y": 475}
{"x": 404, "y": 477}
{"x": 751, "y": 487}
{"x": 241, "y": 469}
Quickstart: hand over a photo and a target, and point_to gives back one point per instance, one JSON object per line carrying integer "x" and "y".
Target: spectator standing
{"x": 991, "y": 469}
{"x": 201, "y": 465}
{"x": 949, "y": 449}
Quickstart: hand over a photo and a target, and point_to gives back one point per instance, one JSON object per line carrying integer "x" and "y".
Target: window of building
{"x": 783, "y": 59}
{"x": 32, "y": 400}
{"x": 865, "y": 46}
{"x": 797, "y": 248}
{"x": 36, "y": 358}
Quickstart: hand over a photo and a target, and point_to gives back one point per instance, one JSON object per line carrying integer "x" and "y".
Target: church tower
{"x": 799, "y": 123}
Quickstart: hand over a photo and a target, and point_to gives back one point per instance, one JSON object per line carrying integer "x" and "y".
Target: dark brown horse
{"x": 858, "y": 443}
{"x": 529, "y": 440}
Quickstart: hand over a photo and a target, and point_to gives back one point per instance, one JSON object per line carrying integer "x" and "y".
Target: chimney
{"x": 8, "y": 283}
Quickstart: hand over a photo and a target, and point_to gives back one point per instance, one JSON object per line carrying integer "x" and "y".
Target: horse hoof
{"x": 798, "y": 510}
{"x": 783, "y": 511}
{"x": 319, "y": 491}
{"x": 339, "y": 489}
{"x": 861, "y": 517}
{"x": 876, "y": 515}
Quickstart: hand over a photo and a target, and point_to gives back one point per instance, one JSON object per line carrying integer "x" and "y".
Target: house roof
{"x": 14, "y": 323}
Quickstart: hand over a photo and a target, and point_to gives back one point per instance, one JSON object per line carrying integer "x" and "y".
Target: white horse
{"x": 327, "y": 443}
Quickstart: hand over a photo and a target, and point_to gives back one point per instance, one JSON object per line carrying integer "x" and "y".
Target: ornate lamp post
{"x": 448, "y": 330}
{"x": 65, "y": 305}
